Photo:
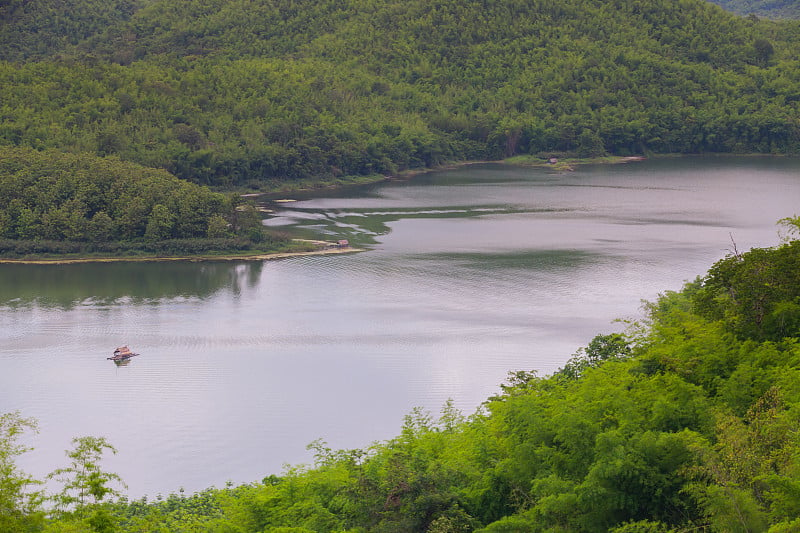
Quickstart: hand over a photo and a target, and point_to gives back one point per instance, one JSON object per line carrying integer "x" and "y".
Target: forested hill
{"x": 777, "y": 9}
{"x": 247, "y": 92}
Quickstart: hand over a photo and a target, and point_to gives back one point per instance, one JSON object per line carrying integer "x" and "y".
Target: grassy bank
{"x": 293, "y": 248}
{"x": 569, "y": 163}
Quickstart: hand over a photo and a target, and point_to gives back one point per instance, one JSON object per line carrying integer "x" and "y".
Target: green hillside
{"x": 776, "y": 9}
{"x": 34, "y": 30}
{"x": 257, "y": 93}
{"x": 60, "y": 203}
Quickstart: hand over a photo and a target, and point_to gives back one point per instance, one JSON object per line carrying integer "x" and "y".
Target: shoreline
{"x": 326, "y": 247}
{"x": 557, "y": 164}
{"x": 281, "y": 194}
{"x": 262, "y": 256}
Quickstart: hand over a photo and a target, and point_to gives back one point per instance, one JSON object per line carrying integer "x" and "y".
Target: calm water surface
{"x": 468, "y": 274}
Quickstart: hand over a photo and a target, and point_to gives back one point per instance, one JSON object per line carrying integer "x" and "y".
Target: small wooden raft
{"x": 121, "y": 354}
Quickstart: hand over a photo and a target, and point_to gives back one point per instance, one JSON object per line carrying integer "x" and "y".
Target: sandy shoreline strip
{"x": 253, "y": 257}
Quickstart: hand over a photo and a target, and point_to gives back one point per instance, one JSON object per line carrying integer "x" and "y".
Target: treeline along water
{"x": 468, "y": 274}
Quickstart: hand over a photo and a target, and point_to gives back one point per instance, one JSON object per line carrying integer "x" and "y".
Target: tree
{"x": 19, "y": 506}
{"x": 218, "y": 227}
{"x": 84, "y": 482}
{"x": 764, "y": 51}
{"x": 100, "y": 227}
{"x": 248, "y": 222}
{"x": 757, "y": 293}
{"x": 792, "y": 227}
{"x": 601, "y": 348}
{"x": 590, "y": 144}
{"x": 159, "y": 224}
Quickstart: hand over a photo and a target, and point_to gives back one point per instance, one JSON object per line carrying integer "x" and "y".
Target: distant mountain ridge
{"x": 776, "y": 9}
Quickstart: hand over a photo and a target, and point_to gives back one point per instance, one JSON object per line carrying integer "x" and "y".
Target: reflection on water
{"x": 518, "y": 262}
{"x": 661, "y": 196}
{"x": 363, "y": 226}
{"x": 68, "y": 285}
{"x": 469, "y": 273}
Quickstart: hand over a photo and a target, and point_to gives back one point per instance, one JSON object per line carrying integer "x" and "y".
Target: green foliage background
{"x": 776, "y": 9}
{"x": 254, "y": 93}
{"x": 59, "y": 203}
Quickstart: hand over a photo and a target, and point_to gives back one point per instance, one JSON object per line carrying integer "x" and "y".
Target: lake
{"x": 467, "y": 274}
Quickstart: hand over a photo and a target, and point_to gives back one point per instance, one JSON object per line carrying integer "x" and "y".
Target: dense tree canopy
{"x": 777, "y": 9}
{"x": 233, "y": 93}
{"x": 52, "y": 201}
